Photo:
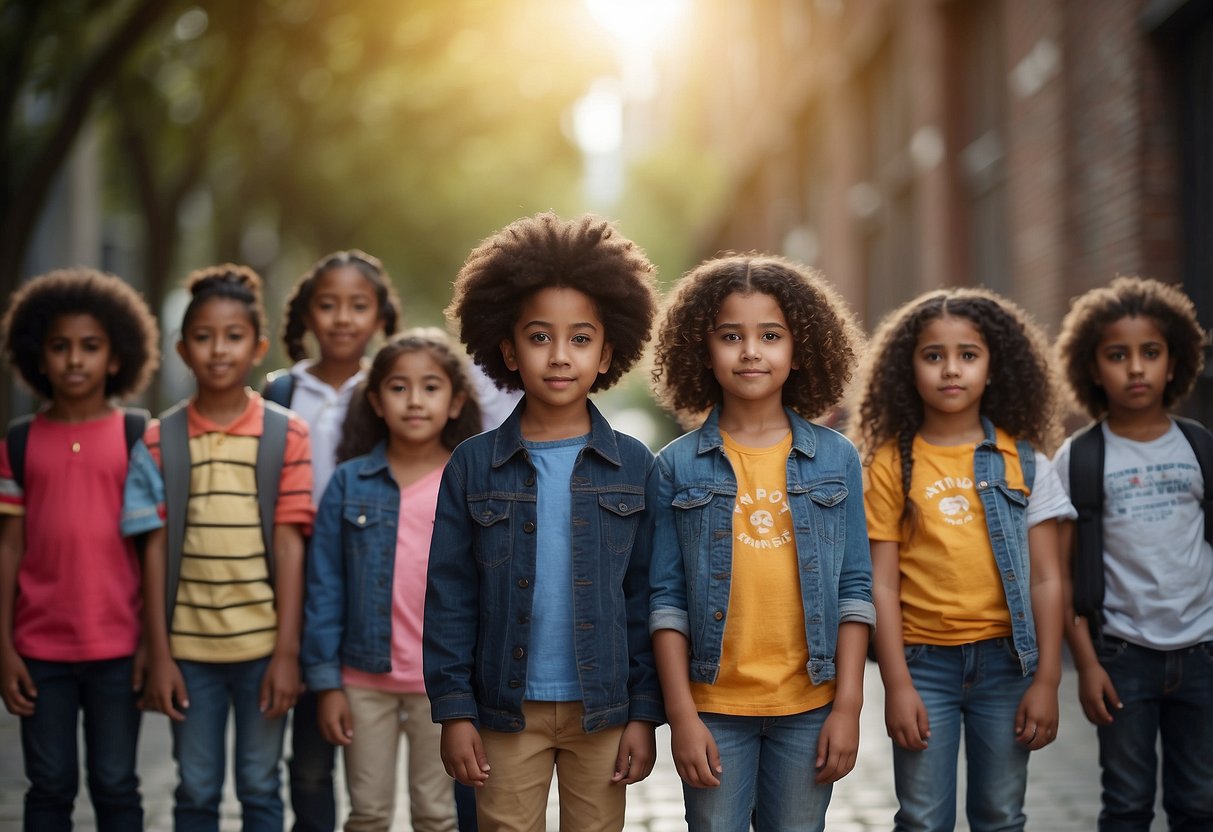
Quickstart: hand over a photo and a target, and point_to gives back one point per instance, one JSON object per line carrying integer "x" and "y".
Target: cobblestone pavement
{"x": 1063, "y": 782}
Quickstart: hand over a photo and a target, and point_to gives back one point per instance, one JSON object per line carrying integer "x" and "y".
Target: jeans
{"x": 769, "y": 766}
{"x": 102, "y": 690}
{"x": 199, "y": 748}
{"x": 1167, "y": 693}
{"x": 980, "y": 686}
{"x": 311, "y": 768}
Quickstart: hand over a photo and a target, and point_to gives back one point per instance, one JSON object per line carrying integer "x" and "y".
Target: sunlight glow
{"x": 645, "y": 21}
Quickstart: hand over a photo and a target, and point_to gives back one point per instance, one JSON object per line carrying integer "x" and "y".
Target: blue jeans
{"x": 199, "y": 748}
{"x": 1167, "y": 693}
{"x": 311, "y": 768}
{"x": 769, "y": 766}
{"x": 980, "y": 686}
{"x": 111, "y": 734}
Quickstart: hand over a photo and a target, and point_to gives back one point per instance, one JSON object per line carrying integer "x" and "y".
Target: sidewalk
{"x": 1063, "y": 781}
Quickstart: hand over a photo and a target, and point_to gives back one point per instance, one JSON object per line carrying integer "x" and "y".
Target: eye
{"x": 969, "y": 355}
{"x": 540, "y": 338}
{"x": 581, "y": 339}
{"x": 931, "y": 357}
{"x": 1152, "y": 352}
{"x": 771, "y": 336}
{"x": 432, "y": 388}
{"x": 396, "y": 388}
{"x": 362, "y": 307}
{"x": 326, "y": 306}
{"x": 730, "y": 337}
{"x": 1116, "y": 355}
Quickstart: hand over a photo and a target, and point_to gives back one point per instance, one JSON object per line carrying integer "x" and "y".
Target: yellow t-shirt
{"x": 951, "y": 591}
{"x": 764, "y": 658}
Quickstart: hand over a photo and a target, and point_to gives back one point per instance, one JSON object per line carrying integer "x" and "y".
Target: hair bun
{"x": 223, "y": 279}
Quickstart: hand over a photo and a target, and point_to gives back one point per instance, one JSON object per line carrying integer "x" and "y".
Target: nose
{"x": 1135, "y": 365}
{"x": 342, "y": 312}
{"x": 559, "y": 354}
{"x": 951, "y": 367}
{"x": 75, "y": 356}
{"x": 751, "y": 349}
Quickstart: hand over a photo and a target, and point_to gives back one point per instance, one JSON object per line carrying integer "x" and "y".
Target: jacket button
{"x": 519, "y": 652}
{"x": 529, "y": 481}
{"x": 718, "y": 615}
{"x": 514, "y": 683}
{"x": 623, "y": 506}
{"x": 361, "y": 519}
{"x": 523, "y": 583}
{"x": 528, "y": 527}
{"x": 983, "y": 484}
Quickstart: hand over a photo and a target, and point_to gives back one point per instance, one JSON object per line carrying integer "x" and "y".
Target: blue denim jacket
{"x": 347, "y": 617}
{"x": 482, "y": 578}
{"x": 1006, "y": 511}
{"x": 693, "y": 541}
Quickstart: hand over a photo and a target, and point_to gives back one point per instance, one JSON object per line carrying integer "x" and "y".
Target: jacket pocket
{"x": 621, "y": 512}
{"x": 362, "y": 528}
{"x": 827, "y": 501}
{"x": 491, "y": 517}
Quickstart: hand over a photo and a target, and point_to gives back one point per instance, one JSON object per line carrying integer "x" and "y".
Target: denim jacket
{"x": 482, "y": 578}
{"x": 350, "y": 565}
{"x": 693, "y": 541}
{"x": 1006, "y": 522}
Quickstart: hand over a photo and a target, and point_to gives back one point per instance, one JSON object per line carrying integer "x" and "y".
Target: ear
{"x": 372, "y": 396}
{"x": 608, "y": 352}
{"x": 1171, "y": 368}
{"x": 263, "y": 346}
{"x": 509, "y": 355}
{"x": 113, "y": 366}
{"x": 181, "y": 352}
{"x": 457, "y": 402}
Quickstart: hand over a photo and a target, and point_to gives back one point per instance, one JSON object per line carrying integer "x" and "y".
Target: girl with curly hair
{"x": 1141, "y": 617}
{"x": 761, "y": 602}
{"x": 957, "y": 404}
{"x": 69, "y": 582}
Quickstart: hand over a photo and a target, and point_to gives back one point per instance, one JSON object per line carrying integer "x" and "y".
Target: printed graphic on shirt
{"x": 762, "y": 519}
{"x": 948, "y": 498}
{"x": 1150, "y": 493}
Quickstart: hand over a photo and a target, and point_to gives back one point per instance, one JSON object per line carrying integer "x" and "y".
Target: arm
{"x": 324, "y": 615}
{"x": 165, "y": 689}
{"x": 691, "y": 744}
{"x": 280, "y": 685}
{"x": 838, "y": 745}
{"x": 16, "y": 685}
{"x": 905, "y": 715}
{"x": 1095, "y": 690}
{"x": 644, "y": 689}
{"x": 1036, "y": 718}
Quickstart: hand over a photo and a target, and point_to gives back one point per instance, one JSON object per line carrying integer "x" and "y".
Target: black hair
{"x": 542, "y": 252}
{"x": 120, "y": 310}
{"x": 294, "y": 324}
{"x": 226, "y": 282}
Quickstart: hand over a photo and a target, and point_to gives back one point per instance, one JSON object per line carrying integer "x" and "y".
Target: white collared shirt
{"x": 323, "y": 407}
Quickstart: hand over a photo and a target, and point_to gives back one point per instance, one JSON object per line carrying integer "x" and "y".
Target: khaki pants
{"x": 370, "y": 763}
{"x": 515, "y": 798}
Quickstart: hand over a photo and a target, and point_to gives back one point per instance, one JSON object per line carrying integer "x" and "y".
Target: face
{"x": 951, "y": 366}
{"x": 750, "y": 348}
{"x": 220, "y": 345}
{"x": 416, "y": 400}
{"x": 1133, "y": 365}
{"x": 77, "y": 357}
{"x": 559, "y": 347}
{"x": 344, "y": 313}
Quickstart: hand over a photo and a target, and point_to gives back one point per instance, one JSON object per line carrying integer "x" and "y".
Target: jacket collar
{"x": 803, "y": 439}
{"x": 375, "y": 462}
{"x": 508, "y": 440}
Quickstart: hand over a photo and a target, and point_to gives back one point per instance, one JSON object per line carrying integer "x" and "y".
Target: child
{"x": 221, "y": 485}
{"x": 343, "y": 300}
{"x": 538, "y": 580}
{"x": 1144, "y": 644}
{"x": 762, "y": 596}
{"x": 366, "y": 578}
{"x": 69, "y": 583}
{"x": 957, "y": 392}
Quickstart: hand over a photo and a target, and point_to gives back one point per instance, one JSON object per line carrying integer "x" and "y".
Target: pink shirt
{"x": 418, "y": 503}
{"x": 78, "y": 592}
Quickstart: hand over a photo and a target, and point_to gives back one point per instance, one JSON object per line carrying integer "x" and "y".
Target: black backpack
{"x": 279, "y": 387}
{"x": 133, "y": 422}
{"x": 1086, "y": 493}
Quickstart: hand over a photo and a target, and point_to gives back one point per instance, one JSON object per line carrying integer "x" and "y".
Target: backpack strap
{"x": 134, "y": 422}
{"x": 270, "y": 453}
{"x": 1201, "y": 440}
{"x": 17, "y": 438}
{"x": 175, "y": 465}
{"x": 279, "y": 387}
{"x": 1086, "y": 493}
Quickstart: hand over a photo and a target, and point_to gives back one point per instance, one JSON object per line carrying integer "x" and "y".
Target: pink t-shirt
{"x": 78, "y": 593}
{"x": 418, "y": 503}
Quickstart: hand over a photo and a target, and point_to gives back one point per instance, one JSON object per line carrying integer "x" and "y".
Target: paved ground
{"x": 1063, "y": 792}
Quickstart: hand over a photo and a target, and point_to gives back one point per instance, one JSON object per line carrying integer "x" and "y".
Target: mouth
{"x": 752, "y": 373}
{"x": 951, "y": 389}
{"x": 1138, "y": 387}
{"x": 559, "y": 382}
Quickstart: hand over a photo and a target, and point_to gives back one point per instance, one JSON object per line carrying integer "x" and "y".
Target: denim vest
{"x": 482, "y": 579}
{"x": 350, "y": 567}
{"x": 693, "y": 541}
{"x": 1006, "y": 523}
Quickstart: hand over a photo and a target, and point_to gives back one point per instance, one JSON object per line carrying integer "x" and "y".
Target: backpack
{"x": 279, "y": 387}
{"x": 134, "y": 420}
{"x": 1086, "y": 493}
{"x": 175, "y": 466}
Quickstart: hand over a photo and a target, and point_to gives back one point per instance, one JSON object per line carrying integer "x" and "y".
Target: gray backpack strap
{"x": 270, "y": 452}
{"x": 175, "y": 467}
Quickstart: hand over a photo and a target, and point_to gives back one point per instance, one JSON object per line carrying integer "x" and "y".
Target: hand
{"x": 463, "y": 753}
{"x": 837, "y": 746}
{"x": 165, "y": 689}
{"x": 905, "y": 718}
{"x": 1036, "y": 717}
{"x": 139, "y": 671}
{"x": 16, "y": 685}
{"x": 637, "y": 753}
{"x": 279, "y": 687}
{"x": 1097, "y": 695}
{"x": 333, "y": 716}
{"x": 695, "y": 753}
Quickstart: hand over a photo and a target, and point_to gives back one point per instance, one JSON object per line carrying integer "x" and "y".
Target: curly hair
{"x": 363, "y": 428}
{"x": 545, "y": 252}
{"x": 826, "y": 338}
{"x": 1126, "y": 297}
{"x": 1022, "y": 396}
{"x": 294, "y": 320}
{"x": 120, "y": 310}
{"x": 225, "y": 282}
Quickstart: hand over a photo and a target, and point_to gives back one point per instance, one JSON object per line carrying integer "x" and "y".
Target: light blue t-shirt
{"x": 552, "y": 670}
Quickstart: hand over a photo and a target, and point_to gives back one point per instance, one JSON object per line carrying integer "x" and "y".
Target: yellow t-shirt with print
{"x": 951, "y": 590}
{"x": 764, "y": 657}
